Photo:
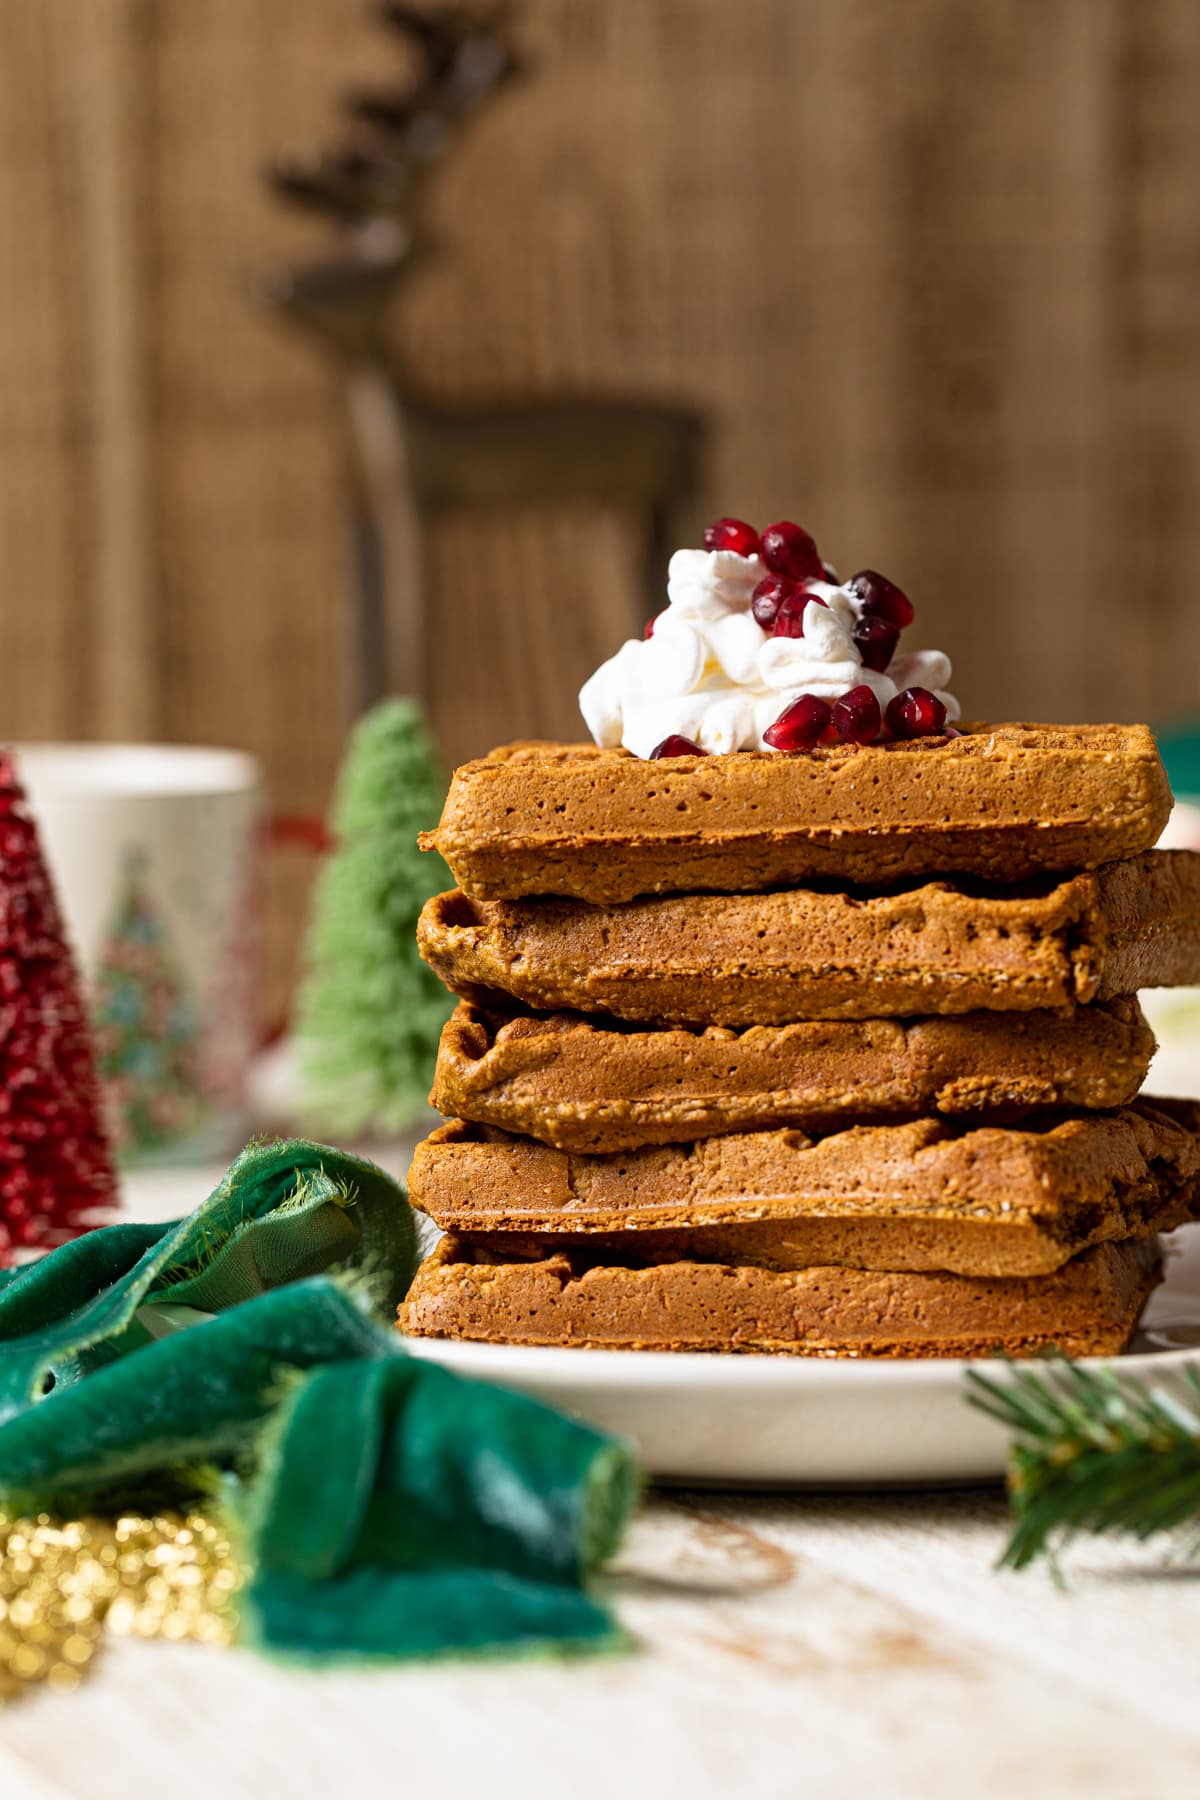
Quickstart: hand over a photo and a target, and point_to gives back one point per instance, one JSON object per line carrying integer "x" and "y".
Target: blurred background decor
{"x": 369, "y": 1012}
{"x": 418, "y": 456}
{"x": 56, "y": 1171}
{"x": 933, "y": 286}
{"x": 154, "y": 849}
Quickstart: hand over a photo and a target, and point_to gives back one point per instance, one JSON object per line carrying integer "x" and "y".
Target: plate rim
{"x": 684, "y": 1368}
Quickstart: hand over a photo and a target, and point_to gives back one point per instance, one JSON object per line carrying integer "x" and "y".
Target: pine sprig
{"x": 1095, "y": 1451}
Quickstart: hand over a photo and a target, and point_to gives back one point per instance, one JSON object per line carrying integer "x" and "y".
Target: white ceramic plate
{"x": 802, "y": 1421}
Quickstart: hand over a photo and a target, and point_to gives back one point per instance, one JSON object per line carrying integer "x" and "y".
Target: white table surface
{"x": 790, "y": 1645}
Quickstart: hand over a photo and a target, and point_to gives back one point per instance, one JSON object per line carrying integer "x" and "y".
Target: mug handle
{"x": 292, "y": 831}
{"x": 297, "y": 831}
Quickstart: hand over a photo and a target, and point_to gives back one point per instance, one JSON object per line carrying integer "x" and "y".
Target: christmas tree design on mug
{"x": 145, "y": 1025}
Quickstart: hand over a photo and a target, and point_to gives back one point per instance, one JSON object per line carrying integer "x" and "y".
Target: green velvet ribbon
{"x": 384, "y": 1507}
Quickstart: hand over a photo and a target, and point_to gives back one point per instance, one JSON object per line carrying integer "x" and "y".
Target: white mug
{"x": 1174, "y": 1013}
{"x": 154, "y": 849}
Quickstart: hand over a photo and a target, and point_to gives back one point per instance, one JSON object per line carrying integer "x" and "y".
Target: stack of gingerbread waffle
{"x": 831, "y": 1054}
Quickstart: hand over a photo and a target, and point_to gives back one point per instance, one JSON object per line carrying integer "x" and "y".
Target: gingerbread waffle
{"x": 982, "y": 1201}
{"x": 815, "y": 953}
{"x": 596, "y": 1086}
{"x": 1001, "y": 801}
{"x": 1089, "y": 1307}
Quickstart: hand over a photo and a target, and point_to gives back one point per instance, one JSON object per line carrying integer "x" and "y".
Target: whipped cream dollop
{"x": 709, "y": 672}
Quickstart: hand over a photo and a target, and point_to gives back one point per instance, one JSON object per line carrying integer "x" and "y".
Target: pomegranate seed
{"x": 879, "y": 595}
{"x": 916, "y": 713}
{"x": 799, "y": 725}
{"x": 650, "y": 624}
{"x": 789, "y": 620}
{"x": 787, "y": 549}
{"x": 769, "y": 596}
{"x": 876, "y": 638}
{"x": 732, "y": 534}
{"x": 856, "y": 716}
{"x": 676, "y": 746}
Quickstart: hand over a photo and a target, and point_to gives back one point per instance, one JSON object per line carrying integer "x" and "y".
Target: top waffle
{"x": 1003, "y": 802}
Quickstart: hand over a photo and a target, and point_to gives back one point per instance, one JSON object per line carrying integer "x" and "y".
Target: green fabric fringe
{"x": 383, "y": 1507}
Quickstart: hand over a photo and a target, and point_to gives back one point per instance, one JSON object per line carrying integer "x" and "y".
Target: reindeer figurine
{"x": 415, "y": 455}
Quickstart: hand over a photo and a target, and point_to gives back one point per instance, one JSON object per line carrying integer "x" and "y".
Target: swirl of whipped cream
{"x": 711, "y": 673}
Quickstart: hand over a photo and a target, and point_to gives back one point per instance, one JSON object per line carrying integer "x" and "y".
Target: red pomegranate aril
{"x": 769, "y": 596}
{"x": 676, "y": 746}
{"x": 789, "y": 620}
{"x": 732, "y": 534}
{"x": 788, "y": 549}
{"x": 879, "y": 595}
{"x": 916, "y": 713}
{"x": 650, "y": 624}
{"x": 799, "y": 725}
{"x": 856, "y": 716}
{"x": 876, "y": 639}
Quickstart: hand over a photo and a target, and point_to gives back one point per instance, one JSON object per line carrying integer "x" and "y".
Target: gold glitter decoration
{"x": 63, "y": 1583}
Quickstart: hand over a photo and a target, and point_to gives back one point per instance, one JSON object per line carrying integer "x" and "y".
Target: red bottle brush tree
{"x": 55, "y": 1164}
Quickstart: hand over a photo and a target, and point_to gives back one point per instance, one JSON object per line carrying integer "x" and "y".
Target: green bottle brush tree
{"x": 369, "y": 1012}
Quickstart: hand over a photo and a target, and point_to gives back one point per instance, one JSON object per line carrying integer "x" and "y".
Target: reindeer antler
{"x": 467, "y": 52}
{"x": 372, "y": 188}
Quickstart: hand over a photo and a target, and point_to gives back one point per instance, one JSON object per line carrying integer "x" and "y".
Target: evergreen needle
{"x": 1094, "y": 1451}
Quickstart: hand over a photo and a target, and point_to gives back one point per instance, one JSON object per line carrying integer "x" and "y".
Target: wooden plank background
{"x": 932, "y": 269}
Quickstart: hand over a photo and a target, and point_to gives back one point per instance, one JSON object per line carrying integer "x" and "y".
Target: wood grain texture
{"x": 935, "y": 286}
{"x": 845, "y": 1646}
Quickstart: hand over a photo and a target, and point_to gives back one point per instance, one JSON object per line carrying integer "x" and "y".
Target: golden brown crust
{"x": 592, "y": 1086}
{"x": 810, "y": 953}
{"x": 1090, "y": 1307}
{"x": 1003, "y": 802}
{"x": 1022, "y": 1246}
{"x": 986, "y": 1201}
